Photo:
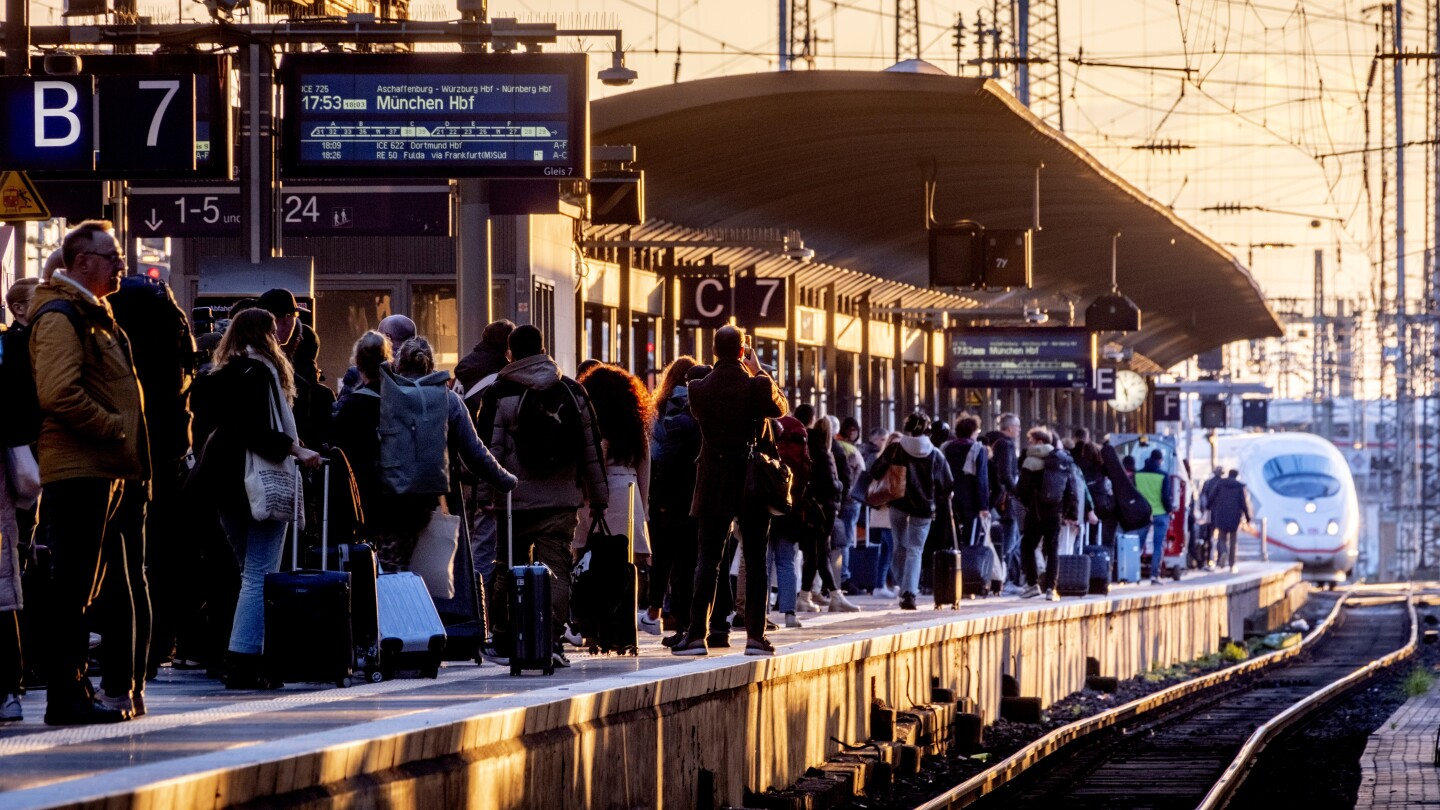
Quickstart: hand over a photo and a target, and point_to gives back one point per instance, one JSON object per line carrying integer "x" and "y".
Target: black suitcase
{"x": 531, "y": 628}
{"x": 975, "y": 565}
{"x": 1099, "y": 569}
{"x": 359, "y": 560}
{"x": 464, "y": 614}
{"x": 946, "y": 582}
{"x": 307, "y": 615}
{"x": 1072, "y": 574}
{"x": 606, "y": 591}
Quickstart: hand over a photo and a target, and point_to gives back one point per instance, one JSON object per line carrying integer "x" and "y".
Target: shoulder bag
{"x": 887, "y": 488}
{"x": 767, "y": 482}
{"x": 272, "y": 487}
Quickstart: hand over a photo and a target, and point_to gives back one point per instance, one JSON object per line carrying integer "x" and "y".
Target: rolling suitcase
{"x": 607, "y": 586}
{"x": 1099, "y": 569}
{"x": 307, "y": 612}
{"x": 865, "y": 566}
{"x": 947, "y": 582}
{"x": 464, "y": 614}
{"x": 1072, "y": 569}
{"x": 358, "y": 560}
{"x": 976, "y": 561}
{"x": 412, "y": 638}
{"x": 532, "y": 630}
{"x": 1127, "y": 557}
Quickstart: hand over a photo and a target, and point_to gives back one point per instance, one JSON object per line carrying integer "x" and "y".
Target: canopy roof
{"x": 842, "y": 156}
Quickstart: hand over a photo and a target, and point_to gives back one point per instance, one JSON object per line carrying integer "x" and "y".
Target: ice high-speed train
{"x": 1302, "y": 484}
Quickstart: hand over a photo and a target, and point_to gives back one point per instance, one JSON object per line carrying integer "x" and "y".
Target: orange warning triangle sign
{"x": 19, "y": 201}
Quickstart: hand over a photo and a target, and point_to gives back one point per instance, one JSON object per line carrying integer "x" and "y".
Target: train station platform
{"x": 648, "y": 731}
{"x": 1398, "y": 769}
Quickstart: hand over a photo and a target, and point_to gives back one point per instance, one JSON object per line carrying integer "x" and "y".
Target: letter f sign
{"x": 65, "y": 112}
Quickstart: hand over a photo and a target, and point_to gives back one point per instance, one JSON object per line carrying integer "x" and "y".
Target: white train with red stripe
{"x": 1300, "y": 484}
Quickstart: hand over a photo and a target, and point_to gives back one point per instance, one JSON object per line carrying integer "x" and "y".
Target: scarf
{"x": 280, "y": 416}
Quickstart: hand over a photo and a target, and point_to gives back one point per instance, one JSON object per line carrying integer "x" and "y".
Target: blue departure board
{"x": 1019, "y": 357}
{"x": 429, "y": 115}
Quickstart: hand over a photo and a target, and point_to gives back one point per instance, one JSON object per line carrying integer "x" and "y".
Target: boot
{"x": 804, "y": 604}
{"x": 839, "y": 604}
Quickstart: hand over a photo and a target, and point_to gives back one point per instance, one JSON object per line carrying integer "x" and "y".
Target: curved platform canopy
{"x": 842, "y": 156}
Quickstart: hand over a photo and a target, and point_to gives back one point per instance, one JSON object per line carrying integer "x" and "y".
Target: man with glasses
{"x": 95, "y": 476}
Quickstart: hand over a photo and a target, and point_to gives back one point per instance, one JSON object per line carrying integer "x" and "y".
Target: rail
{"x": 1234, "y": 774}
{"x": 987, "y": 781}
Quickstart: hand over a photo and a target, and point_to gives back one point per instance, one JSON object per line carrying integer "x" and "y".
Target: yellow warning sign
{"x": 19, "y": 201}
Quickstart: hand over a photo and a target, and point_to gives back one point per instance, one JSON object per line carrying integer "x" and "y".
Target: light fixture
{"x": 1332, "y": 528}
{"x": 1310, "y": 507}
{"x": 62, "y": 63}
{"x": 795, "y": 248}
{"x": 1292, "y": 528}
{"x": 617, "y": 75}
{"x": 1113, "y": 312}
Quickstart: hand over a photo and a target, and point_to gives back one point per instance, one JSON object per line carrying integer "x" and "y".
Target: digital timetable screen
{"x": 435, "y": 115}
{"x": 1019, "y": 357}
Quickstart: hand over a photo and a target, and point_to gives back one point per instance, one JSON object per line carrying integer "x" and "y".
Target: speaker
{"x": 1212, "y": 360}
{"x": 1212, "y": 414}
{"x": 1255, "y": 413}
{"x": 1112, "y": 312}
{"x": 617, "y": 197}
{"x": 1007, "y": 259}
{"x": 957, "y": 257}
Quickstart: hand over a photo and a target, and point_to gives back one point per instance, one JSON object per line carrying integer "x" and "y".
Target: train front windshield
{"x": 1303, "y": 476}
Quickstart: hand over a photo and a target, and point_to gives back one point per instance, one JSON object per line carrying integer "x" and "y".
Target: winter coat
{"x": 11, "y": 597}
{"x": 851, "y": 471}
{"x": 582, "y": 481}
{"x": 1207, "y": 492}
{"x": 94, "y": 417}
{"x": 673, "y": 464}
{"x": 927, "y": 474}
{"x": 164, "y": 353}
{"x": 481, "y": 362}
{"x": 825, "y": 480}
{"x": 1005, "y": 469}
{"x": 1229, "y": 505}
{"x": 1097, "y": 484}
{"x": 972, "y": 491}
{"x": 1042, "y": 460}
{"x": 729, "y": 404}
{"x": 242, "y": 395}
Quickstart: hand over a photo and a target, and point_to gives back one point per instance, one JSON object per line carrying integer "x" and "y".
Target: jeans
{"x": 782, "y": 554}
{"x": 1229, "y": 542}
{"x": 1158, "y": 528}
{"x": 910, "y": 533}
{"x": 77, "y": 513}
{"x": 1041, "y": 532}
{"x": 885, "y": 539}
{"x": 550, "y": 532}
{"x": 1010, "y": 549}
{"x": 843, "y": 537}
{"x": 713, "y": 534}
{"x": 124, "y": 602}
{"x": 257, "y": 545}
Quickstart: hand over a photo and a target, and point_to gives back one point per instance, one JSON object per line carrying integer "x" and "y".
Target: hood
{"x": 1035, "y": 456}
{"x": 538, "y": 372}
{"x": 57, "y": 290}
{"x": 679, "y": 398}
{"x": 917, "y": 446}
{"x": 1152, "y": 466}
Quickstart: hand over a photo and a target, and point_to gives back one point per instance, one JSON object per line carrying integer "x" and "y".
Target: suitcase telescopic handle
{"x": 509, "y": 530}
{"x": 325, "y": 515}
{"x": 630, "y": 522}
{"x": 295, "y": 522}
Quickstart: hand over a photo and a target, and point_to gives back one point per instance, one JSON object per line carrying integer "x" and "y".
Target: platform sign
{"x": 1165, "y": 404}
{"x": 147, "y": 124}
{"x": 392, "y": 209}
{"x": 497, "y": 115}
{"x": 706, "y": 301}
{"x": 184, "y": 211}
{"x": 47, "y": 124}
{"x": 762, "y": 302}
{"x": 1102, "y": 384}
{"x": 1019, "y": 357}
{"x": 19, "y": 201}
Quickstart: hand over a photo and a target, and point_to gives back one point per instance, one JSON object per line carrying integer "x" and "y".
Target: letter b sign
{"x": 47, "y": 124}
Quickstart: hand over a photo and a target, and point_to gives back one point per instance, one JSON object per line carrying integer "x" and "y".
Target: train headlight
{"x": 1292, "y": 528}
{"x": 1310, "y": 507}
{"x": 1332, "y": 528}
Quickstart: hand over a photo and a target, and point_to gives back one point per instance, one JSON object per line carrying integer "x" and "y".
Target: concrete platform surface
{"x": 1397, "y": 770}
{"x": 196, "y": 727}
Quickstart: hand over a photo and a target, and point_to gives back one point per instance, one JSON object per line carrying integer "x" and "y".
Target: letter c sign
{"x": 705, "y": 301}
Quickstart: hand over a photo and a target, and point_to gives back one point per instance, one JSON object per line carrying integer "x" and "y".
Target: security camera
{"x": 617, "y": 75}
{"x": 1036, "y": 315}
{"x": 62, "y": 63}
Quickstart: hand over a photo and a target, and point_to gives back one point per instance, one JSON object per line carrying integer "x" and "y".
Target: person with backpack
{"x": 731, "y": 405}
{"x": 1047, "y": 493}
{"x": 399, "y": 431}
{"x": 487, "y": 358}
{"x": 1159, "y": 489}
{"x": 667, "y": 402}
{"x": 1091, "y": 462}
{"x": 95, "y": 470}
{"x": 541, "y": 426}
{"x": 824, "y": 495}
{"x": 396, "y": 329}
{"x": 476, "y": 372}
{"x": 787, "y": 530}
{"x": 927, "y": 478}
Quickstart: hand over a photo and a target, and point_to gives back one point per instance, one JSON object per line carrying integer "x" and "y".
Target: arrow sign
{"x": 190, "y": 210}
{"x": 153, "y": 223}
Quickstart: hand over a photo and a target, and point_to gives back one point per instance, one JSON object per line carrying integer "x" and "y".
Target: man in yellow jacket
{"x": 95, "y": 472}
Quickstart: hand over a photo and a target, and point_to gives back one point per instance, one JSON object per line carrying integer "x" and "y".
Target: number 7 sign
{"x": 762, "y": 302}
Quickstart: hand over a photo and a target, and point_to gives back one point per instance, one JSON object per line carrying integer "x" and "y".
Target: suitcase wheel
{"x": 431, "y": 672}
{"x": 374, "y": 676}
{"x": 514, "y": 670}
{"x": 549, "y": 670}
{"x": 345, "y": 682}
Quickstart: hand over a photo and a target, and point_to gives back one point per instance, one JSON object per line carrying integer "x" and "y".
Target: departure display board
{"x": 435, "y": 115}
{"x": 1019, "y": 357}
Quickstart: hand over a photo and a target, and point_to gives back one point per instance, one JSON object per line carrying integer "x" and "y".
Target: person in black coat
{"x": 1047, "y": 492}
{"x": 1229, "y": 508}
{"x": 824, "y": 492}
{"x": 731, "y": 406}
{"x": 672, "y": 488}
{"x": 970, "y": 468}
{"x": 1005, "y": 477}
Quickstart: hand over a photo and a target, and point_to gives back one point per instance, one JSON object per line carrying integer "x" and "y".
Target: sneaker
{"x": 718, "y": 640}
{"x": 121, "y": 704}
{"x": 10, "y": 710}
{"x": 885, "y": 593}
{"x": 770, "y": 626}
{"x": 1011, "y": 589}
{"x": 647, "y": 624}
{"x": 759, "y": 646}
{"x": 690, "y": 647}
{"x": 1030, "y": 592}
{"x": 1234, "y": 569}
{"x": 805, "y": 604}
{"x": 907, "y": 601}
{"x": 791, "y": 621}
{"x": 572, "y": 636}
{"x": 94, "y": 640}
{"x": 558, "y": 659}
{"x": 839, "y": 604}
{"x": 671, "y": 640}
{"x": 738, "y": 622}
{"x": 1053, "y": 596}
{"x": 492, "y": 654}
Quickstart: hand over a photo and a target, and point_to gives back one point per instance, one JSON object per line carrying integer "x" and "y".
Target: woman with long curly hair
{"x": 623, "y": 414}
{"x": 256, "y": 391}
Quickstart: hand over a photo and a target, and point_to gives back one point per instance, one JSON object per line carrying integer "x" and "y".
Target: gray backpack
{"x": 414, "y": 428}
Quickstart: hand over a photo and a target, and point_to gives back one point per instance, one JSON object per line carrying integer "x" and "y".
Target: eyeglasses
{"x": 114, "y": 257}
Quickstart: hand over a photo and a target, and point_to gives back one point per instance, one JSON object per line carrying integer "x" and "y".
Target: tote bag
{"x": 434, "y": 557}
{"x": 272, "y": 487}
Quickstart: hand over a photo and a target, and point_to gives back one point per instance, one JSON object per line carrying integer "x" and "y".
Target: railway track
{"x": 1193, "y": 751}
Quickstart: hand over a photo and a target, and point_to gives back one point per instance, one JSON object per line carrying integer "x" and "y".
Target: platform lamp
{"x": 1113, "y": 311}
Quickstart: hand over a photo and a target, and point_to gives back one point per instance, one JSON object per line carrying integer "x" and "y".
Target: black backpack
{"x": 547, "y": 430}
{"x": 21, "y": 425}
{"x": 1053, "y": 480}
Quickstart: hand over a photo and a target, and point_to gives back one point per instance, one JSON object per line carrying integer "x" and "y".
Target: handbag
{"x": 433, "y": 559}
{"x": 273, "y": 487}
{"x": 767, "y": 480}
{"x": 24, "y": 475}
{"x": 888, "y": 487}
